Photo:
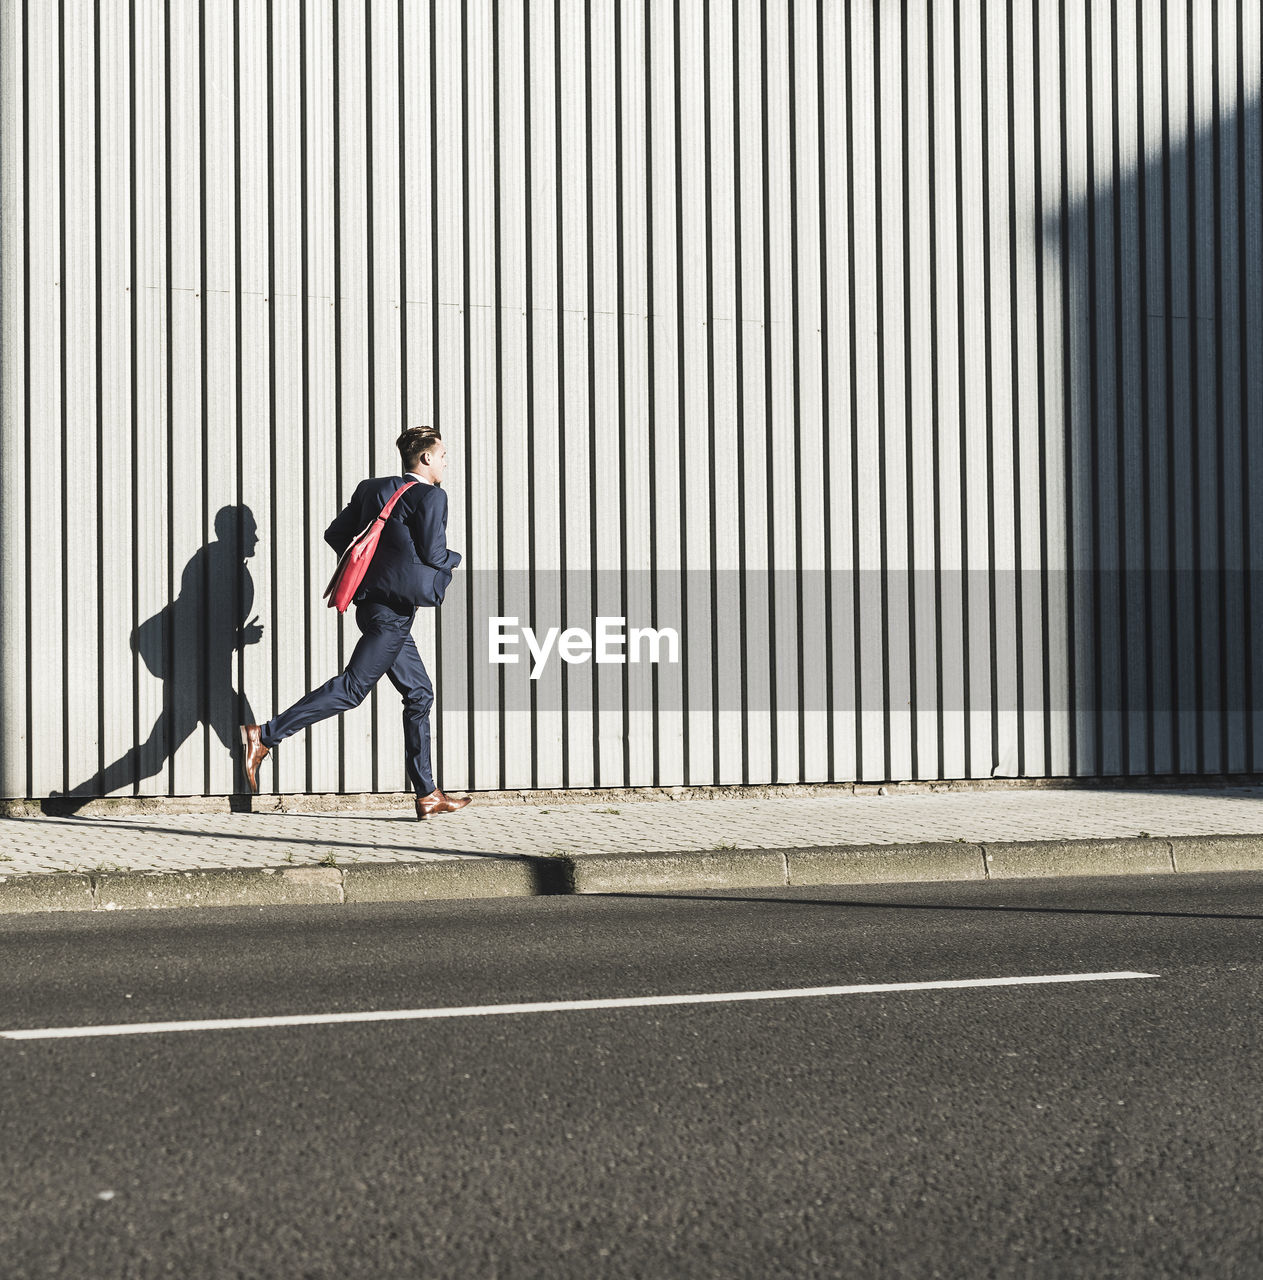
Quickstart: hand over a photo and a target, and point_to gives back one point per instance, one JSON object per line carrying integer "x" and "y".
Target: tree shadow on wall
{"x": 1162, "y": 334}
{"x": 190, "y": 645}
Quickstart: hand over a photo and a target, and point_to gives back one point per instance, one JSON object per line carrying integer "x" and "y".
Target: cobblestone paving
{"x": 186, "y": 842}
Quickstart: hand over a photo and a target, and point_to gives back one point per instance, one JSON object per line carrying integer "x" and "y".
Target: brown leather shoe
{"x": 436, "y": 802}
{"x": 255, "y": 753}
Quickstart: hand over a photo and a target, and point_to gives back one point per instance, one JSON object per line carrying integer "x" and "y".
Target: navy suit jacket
{"x": 413, "y": 563}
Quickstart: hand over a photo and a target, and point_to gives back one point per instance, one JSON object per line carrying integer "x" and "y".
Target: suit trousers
{"x": 385, "y": 648}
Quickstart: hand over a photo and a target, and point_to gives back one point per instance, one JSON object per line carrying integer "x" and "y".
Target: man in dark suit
{"x": 411, "y": 568}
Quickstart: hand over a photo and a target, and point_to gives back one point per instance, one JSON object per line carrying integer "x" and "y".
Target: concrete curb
{"x": 1216, "y": 853}
{"x": 456, "y": 878}
{"x": 699, "y": 869}
{"x": 1141, "y": 856}
{"x": 66, "y": 891}
{"x": 236, "y": 887}
{"x": 883, "y": 863}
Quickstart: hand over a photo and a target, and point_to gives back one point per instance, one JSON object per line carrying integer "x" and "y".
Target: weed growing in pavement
{"x": 724, "y": 844}
{"x": 289, "y": 855}
{"x": 607, "y": 811}
{"x": 329, "y": 860}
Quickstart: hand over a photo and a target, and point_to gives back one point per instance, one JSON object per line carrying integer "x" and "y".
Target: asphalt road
{"x": 1106, "y": 1128}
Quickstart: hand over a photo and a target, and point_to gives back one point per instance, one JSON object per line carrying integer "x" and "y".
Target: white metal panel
{"x": 14, "y": 232}
{"x": 352, "y": 271}
{"x": 1132, "y": 631}
{"x": 325, "y": 494}
{"x": 868, "y": 635}
{"x": 481, "y": 472}
{"x": 1078, "y": 300}
{"x": 948, "y": 391}
{"x": 222, "y": 378}
{"x": 813, "y": 629}
{"x": 1251, "y": 120}
{"x": 1206, "y": 424}
{"x": 722, "y": 322}
{"x": 633, "y": 109}
{"x": 80, "y": 515}
{"x": 1232, "y": 530}
{"x": 189, "y": 518}
{"x": 780, "y": 357}
{"x": 45, "y": 408}
{"x": 416, "y": 122}
{"x": 753, "y": 390}
{"x": 943, "y": 35}
{"x": 1054, "y": 202}
{"x": 509, "y": 689}
{"x": 695, "y": 444}
{"x": 151, "y": 337}
{"x": 1029, "y": 405}
{"x": 286, "y": 611}
{"x": 609, "y": 713}
{"x": 922, "y": 562}
{"x": 118, "y": 564}
{"x": 665, "y": 355}
{"x": 1096, "y": 492}
{"x": 418, "y": 227}
{"x": 1181, "y": 408}
{"x": 451, "y": 724}
{"x": 1159, "y": 551}
{"x": 893, "y": 625}
{"x": 256, "y": 516}
{"x": 188, "y": 525}
{"x": 385, "y": 369}
{"x": 836, "y": 306}
{"x": 576, "y": 510}
{"x": 976, "y": 493}
{"x": 1003, "y": 422}
{"x": 546, "y": 247}
{"x": 1162, "y": 396}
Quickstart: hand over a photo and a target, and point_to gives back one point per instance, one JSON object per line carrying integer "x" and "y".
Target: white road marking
{"x": 554, "y": 1006}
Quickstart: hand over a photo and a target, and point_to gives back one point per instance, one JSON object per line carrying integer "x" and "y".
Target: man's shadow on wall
{"x": 191, "y": 645}
{"x": 1160, "y": 269}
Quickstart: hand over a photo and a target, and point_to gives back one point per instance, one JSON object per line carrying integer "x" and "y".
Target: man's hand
{"x": 252, "y": 632}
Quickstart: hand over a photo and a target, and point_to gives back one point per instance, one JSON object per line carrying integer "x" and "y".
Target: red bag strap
{"x": 394, "y": 497}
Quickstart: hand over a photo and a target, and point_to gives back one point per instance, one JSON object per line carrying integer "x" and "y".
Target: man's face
{"x": 438, "y": 461}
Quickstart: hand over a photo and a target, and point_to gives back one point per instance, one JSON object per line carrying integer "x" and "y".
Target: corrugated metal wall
{"x": 905, "y": 357}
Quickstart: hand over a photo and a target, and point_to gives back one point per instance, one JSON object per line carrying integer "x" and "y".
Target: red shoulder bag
{"x": 355, "y": 560}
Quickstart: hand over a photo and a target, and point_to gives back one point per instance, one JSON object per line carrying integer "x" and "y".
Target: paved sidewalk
{"x": 177, "y": 843}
